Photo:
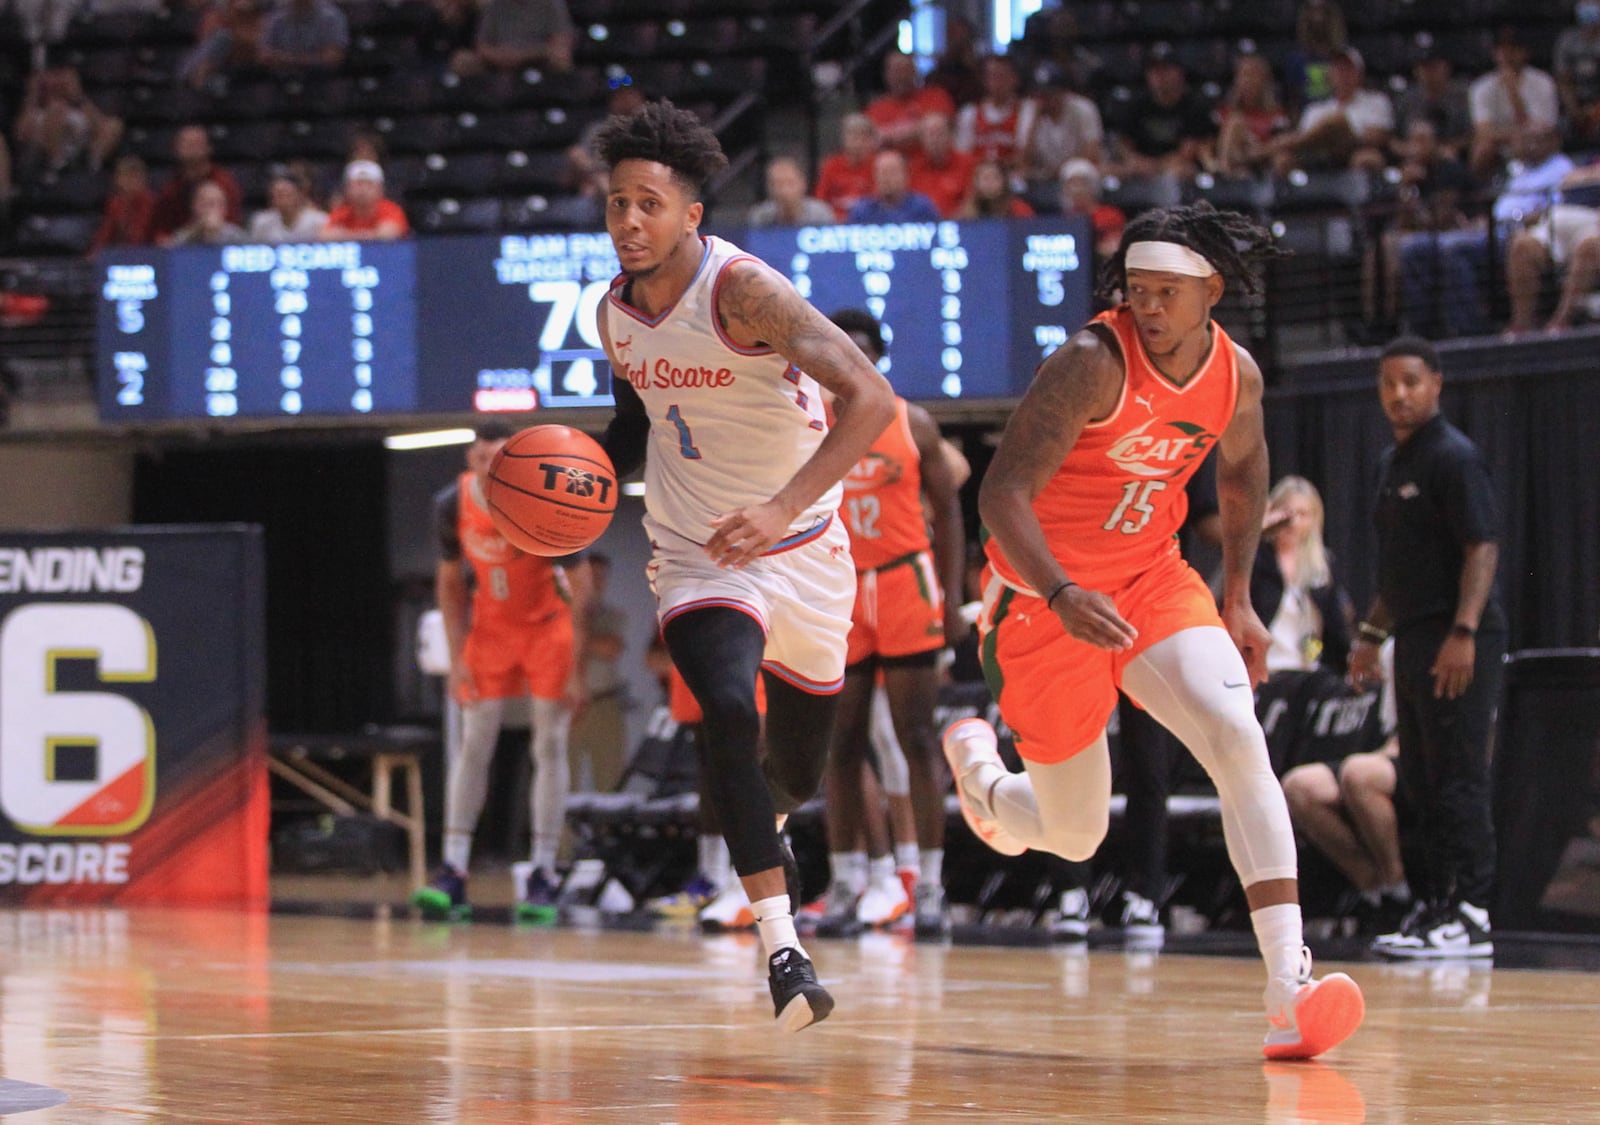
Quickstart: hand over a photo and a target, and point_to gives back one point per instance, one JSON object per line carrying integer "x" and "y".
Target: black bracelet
{"x": 1065, "y": 582}
{"x": 1370, "y": 632}
{"x": 1463, "y": 630}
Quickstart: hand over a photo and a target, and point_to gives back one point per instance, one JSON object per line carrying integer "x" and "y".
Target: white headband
{"x": 1166, "y": 257}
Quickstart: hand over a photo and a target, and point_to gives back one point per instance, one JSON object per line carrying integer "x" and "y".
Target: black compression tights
{"x": 718, "y": 653}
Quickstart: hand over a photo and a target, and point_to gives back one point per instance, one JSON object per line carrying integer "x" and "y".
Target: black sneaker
{"x": 932, "y": 919}
{"x": 444, "y": 899}
{"x": 798, "y": 1001}
{"x": 1450, "y": 930}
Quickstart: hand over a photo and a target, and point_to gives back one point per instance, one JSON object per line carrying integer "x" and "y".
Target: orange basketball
{"x": 552, "y": 490}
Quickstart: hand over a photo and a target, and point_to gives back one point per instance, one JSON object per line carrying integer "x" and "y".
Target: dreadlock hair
{"x": 1233, "y": 244}
{"x": 665, "y": 134}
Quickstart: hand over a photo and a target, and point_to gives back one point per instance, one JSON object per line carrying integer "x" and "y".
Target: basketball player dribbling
{"x": 1086, "y": 592}
{"x": 519, "y": 631}
{"x": 716, "y": 363}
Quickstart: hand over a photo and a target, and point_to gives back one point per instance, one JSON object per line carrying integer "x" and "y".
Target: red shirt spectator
{"x": 126, "y": 219}
{"x": 365, "y": 215}
{"x": 173, "y": 207}
{"x": 898, "y": 113}
{"x": 938, "y": 171}
{"x": 846, "y": 176}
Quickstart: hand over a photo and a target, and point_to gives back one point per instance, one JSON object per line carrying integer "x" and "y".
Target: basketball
{"x": 552, "y": 490}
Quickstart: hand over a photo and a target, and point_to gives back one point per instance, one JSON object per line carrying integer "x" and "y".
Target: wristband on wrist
{"x": 1370, "y": 632}
{"x": 1065, "y": 582}
{"x": 1461, "y": 630}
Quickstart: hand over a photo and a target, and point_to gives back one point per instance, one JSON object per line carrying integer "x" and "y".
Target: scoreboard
{"x": 488, "y": 323}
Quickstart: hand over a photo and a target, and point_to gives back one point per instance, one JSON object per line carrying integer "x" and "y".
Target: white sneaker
{"x": 1070, "y": 922}
{"x": 1141, "y": 922}
{"x": 965, "y": 755}
{"x": 884, "y": 902}
{"x": 1310, "y": 1016}
{"x": 730, "y": 910}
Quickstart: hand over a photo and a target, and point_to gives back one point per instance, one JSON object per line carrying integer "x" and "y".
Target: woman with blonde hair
{"x": 1307, "y": 613}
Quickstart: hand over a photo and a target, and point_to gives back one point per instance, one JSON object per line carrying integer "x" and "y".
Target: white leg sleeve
{"x": 552, "y": 777}
{"x": 468, "y": 782}
{"x": 1195, "y": 684}
{"x": 893, "y": 773}
{"x": 1063, "y": 808}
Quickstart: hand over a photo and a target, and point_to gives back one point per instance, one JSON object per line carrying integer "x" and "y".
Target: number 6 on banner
{"x": 38, "y": 722}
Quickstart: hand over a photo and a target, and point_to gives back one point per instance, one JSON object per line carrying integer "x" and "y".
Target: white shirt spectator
{"x": 268, "y": 226}
{"x": 1491, "y": 102}
{"x": 1076, "y": 131}
{"x": 1366, "y": 109}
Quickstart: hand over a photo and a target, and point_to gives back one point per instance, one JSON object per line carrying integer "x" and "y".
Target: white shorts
{"x": 801, "y": 596}
{"x": 1562, "y": 227}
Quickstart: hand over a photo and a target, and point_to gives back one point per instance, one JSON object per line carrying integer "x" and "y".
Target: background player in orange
{"x": 519, "y": 631}
{"x": 1086, "y": 591}
{"x": 908, "y": 599}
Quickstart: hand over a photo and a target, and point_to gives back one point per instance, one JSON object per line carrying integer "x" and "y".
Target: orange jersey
{"x": 513, "y": 589}
{"x": 1114, "y": 507}
{"x": 882, "y": 505}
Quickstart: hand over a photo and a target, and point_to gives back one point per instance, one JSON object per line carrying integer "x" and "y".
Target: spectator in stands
{"x": 452, "y": 27}
{"x": 365, "y": 215}
{"x": 1437, "y": 96}
{"x": 1304, "y": 608}
{"x": 1319, "y": 34}
{"x": 192, "y": 148}
{"x": 958, "y": 71}
{"x": 45, "y": 21}
{"x": 1434, "y": 194}
{"x": 1561, "y": 236}
{"x": 892, "y": 200}
{"x": 846, "y": 176}
{"x": 291, "y": 215}
{"x": 228, "y": 39}
{"x": 1511, "y": 100}
{"x": 304, "y": 35}
{"x": 209, "y": 224}
{"x": 1066, "y": 126}
{"x": 58, "y": 126}
{"x": 1080, "y": 195}
{"x": 991, "y": 196}
{"x": 1351, "y": 127}
{"x": 1577, "y": 75}
{"x": 996, "y": 127}
{"x": 365, "y": 144}
{"x": 1165, "y": 129}
{"x": 126, "y": 219}
{"x": 938, "y": 171}
{"x": 1250, "y": 118}
{"x": 513, "y": 34}
{"x": 1050, "y": 42}
{"x": 787, "y": 204}
{"x": 897, "y": 113}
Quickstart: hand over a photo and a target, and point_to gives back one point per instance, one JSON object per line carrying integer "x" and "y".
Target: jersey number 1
{"x": 1134, "y": 510}
{"x": 685, "y": 438}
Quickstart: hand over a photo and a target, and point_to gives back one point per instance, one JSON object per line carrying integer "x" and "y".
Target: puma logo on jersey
{"x": 1160, "y": 454}
{"x": 1145, "y": 401}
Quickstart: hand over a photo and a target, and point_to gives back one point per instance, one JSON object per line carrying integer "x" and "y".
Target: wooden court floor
{"x": 188, "y": 1016}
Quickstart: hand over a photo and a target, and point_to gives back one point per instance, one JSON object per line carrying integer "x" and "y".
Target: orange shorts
{"x": 899, "y": 610}
{"x": 1057, "y": 692}
{"x": 531, "y": 660}
{"x": 685, "y": 708}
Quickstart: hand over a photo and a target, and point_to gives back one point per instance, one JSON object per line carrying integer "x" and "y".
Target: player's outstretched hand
{"x": 1092, "y": 617}
{"x": 745, "y": 533}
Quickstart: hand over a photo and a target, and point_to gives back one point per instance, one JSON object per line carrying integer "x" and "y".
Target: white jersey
{"x": 729, "y": 426}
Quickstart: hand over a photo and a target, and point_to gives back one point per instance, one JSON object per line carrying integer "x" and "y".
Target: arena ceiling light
{"x": 428, "y": 439}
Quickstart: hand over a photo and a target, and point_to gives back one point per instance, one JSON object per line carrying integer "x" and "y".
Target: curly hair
{"x": 859, "y": 320}
{"x": 1228, "y": 240}
{"x": 665, "y": 134}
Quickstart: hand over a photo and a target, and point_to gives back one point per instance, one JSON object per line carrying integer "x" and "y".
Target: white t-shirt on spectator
{"x": 1057, "y": 140}
{"x": 1367, "y": 109}
{"x": 268, "y": 226}
{"x": 1491, "y": 104}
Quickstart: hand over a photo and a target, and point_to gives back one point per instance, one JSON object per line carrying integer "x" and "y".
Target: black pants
{"x": 1444, "y": 762}
{"x": 1144, "y": 774}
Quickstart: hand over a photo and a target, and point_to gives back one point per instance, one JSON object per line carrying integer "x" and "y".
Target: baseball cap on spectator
{"x": 1079, "y": 169}
{"x": 363, "y": 170}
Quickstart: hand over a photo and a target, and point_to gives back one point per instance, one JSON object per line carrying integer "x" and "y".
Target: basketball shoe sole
{"x": 964, "y": 757}
{"x": 1326, "y": 1013}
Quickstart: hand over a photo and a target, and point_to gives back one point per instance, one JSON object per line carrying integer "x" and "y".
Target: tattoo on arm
{"x": 1076, "y": 384}
{"x": 759, "y": 306}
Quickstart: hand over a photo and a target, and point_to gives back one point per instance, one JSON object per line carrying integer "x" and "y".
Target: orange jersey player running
{"x": 908, "y": 598}
{"x": 518, "y": 633}
{"x": 1086, "y": 592}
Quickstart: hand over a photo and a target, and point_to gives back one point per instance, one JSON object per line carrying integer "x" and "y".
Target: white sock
{"x": 715, "y": 863}
{"x": 776, "y": 924}
{"x": 458, "y": 850}
{"x": 1279, "y": 937}
{"x": 932, "y": 861}
{"x": 879, "y": 868}
{"x": 1400, "y": 892}
{"x": 907, "y": 857}
{"x": 544, "y": 852}
{"x": 842, "y": 865}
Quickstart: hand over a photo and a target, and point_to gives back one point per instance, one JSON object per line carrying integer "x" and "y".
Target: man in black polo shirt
{"x": 1437, "y": 551}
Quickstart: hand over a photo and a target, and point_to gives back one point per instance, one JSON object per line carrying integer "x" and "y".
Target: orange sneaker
{"x": 965, "y": 755}
{"x": 1319, "y": 1016}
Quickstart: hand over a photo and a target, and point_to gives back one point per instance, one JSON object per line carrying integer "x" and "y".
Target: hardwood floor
{"x": 186, "y": 1016}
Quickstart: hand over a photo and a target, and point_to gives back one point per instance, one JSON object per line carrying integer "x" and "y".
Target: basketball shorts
{"x": 509, "y": 661}
{"x": 800, "y": 595}
{"x": 899, "y": 610}
{"x": 1057, "y": 692}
